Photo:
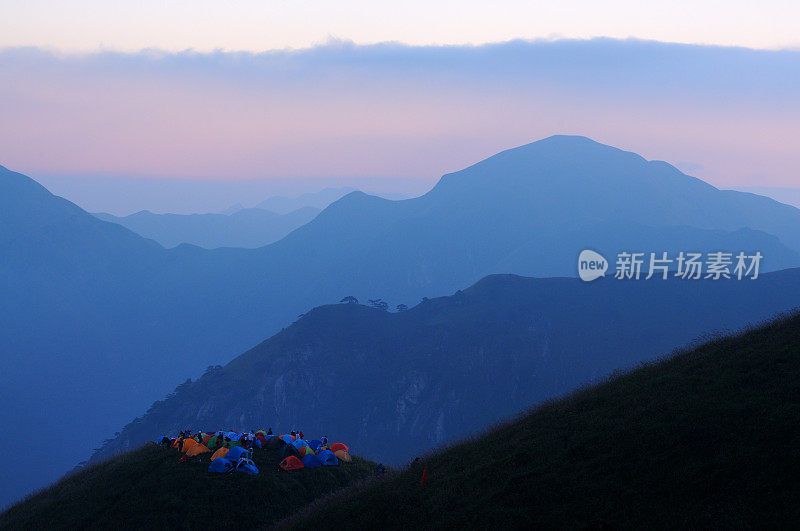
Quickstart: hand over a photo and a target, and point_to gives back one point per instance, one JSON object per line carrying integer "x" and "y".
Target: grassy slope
{"x": 707, "y": 439}
{"x": 150, "y": 489}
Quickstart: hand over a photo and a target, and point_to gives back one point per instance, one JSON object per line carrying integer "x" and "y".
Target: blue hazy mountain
{"x": 245, "y": 227}
{"x": 98, "y": 322}
{"x": 394, "y": 385}
{"x": 319, "y": 200}
{"x": 532, "y": 209}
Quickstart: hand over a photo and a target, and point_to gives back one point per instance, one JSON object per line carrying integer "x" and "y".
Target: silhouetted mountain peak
{"x": 354, "y": 206}
{"x": 16, "y": 186}
{"x": 557, "y": 163}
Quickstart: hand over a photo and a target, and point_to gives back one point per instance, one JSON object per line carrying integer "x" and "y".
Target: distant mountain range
{"x": 237, "y": 226}
{"x": 247, "y": 227}
{"x": 790, "y": 196}
{"x": 98, "y": 321}
{"x": 319, "y": 200}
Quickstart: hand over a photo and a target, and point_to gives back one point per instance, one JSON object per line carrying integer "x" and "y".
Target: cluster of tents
{"x": 233, "y": 451}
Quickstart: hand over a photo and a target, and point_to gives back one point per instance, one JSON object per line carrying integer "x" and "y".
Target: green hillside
{"x": 150, "y": 489}
{"x": 707, "y": 439}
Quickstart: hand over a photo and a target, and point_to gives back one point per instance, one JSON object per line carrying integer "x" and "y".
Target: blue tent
{"x": 221, "y": 465}
{"x": 311, "y": 461}
{"x": 287, "y": 439}
{"x": 248, "y": 469}
{"x": 235, "y": 453}
{"x": 315, "y": 444}
{"x": 299, "y": 443}
{"x": 328, "y": 458}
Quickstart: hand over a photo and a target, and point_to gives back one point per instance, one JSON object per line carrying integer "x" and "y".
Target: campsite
{"x": 160, "y": 487}
{"x": 231, "y": 451}
{"x": 707, "y": 438}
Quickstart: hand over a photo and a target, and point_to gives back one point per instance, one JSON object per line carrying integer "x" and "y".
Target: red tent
{"x": 291, "y": 463}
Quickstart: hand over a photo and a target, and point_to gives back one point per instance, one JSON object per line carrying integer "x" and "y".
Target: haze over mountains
{"x": 99, "y": 322}
{"x": 318, "y": 200}
{"x": 237, "y": 226}
{"x": 396, "y": 384}
{"x": 790, "y": 196}
{"x": 247, "y": 227}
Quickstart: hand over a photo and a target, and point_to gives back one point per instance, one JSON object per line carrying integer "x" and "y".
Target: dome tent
{"x": 197, "y": 449}
{"x": 311, "y": 461}
{"x": 220, "y": 466}
{"x": 187, "y": 443}
{"x": 291, "y": 463}
{"x": 248, "y": 468}
{"x": 328, "y": 458}
{"x": 235, "y": 453}
{"x": 343, "y": 455}
{"x": 315, "y": 444}
{"x": 299, "y": 443}
{"x": 221, "y": 452}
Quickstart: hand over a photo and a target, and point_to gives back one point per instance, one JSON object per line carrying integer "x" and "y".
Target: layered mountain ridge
{"x": 100, "y": 322}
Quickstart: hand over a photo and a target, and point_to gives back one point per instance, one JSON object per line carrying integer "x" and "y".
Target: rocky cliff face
{"x": 393, "y": 385}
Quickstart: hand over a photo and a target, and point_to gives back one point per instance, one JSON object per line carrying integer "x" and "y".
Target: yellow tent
{"x": 343, "y": 455}
{"x": 188, "y": 443}
{"x": 197, "y": 449}
{"x": 221, "y": 452}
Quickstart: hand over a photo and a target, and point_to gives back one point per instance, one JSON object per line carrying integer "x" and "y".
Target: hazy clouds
{"x": 257, "y": 25}
{"x": 729, "y": 114}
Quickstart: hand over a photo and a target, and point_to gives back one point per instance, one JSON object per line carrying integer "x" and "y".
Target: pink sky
{"x": 729, "y": 115}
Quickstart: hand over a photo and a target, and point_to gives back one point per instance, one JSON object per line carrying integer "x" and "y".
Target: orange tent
{"x": 221, "y": 452}
{"x": 291, "y": 463}
{"x": 343, "y": 455}
{"x": 188, "y": 443}
{"x": 197, "y": 449}
{"x": 339, "y": 446}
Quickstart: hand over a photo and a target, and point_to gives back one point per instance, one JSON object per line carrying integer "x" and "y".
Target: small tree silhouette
{"x": 349, "y": 300}
{"x": 379, "y": 304}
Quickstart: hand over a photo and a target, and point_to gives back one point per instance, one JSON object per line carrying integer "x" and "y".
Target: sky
{"x": 259, "y": 25}
{"x": 99, "y": 96}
